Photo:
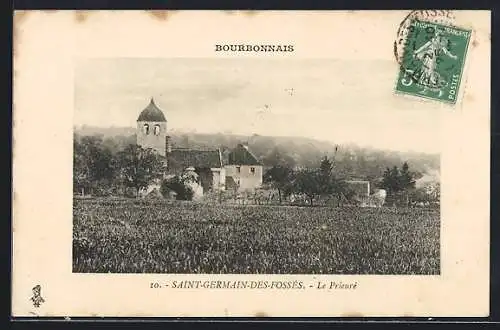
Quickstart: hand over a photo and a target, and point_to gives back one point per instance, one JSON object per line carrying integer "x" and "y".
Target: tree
{"x": 406, "y": 179}
{"x": 341, "y": 189}
{"x": 391, "y": 180}
{"x": 395, "y": 179}
{"x": 93, "y": 164}
{"x": 407, "y": 182}
{"x": 325, "y": 177}
{"x": 330, "y": 184}
{"x": 320, "y": 182}
{"x": 278, "y": 158}
{"x": 399, "y": 183}
{"x": 81, "y": 170}
{"x": 307, "y": 182}
{"x": 280, "y": 178}
{"x": 427, "y": 193}
{"x": 139, "y": 167}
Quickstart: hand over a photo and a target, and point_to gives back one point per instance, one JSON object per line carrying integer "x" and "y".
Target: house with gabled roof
{"x": 240, "y": 170}
{"x": 243, "y": 169}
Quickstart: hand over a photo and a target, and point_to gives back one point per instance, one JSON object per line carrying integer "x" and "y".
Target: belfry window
{"x": 146, "y": 129}
{"x": 156, "y": 130}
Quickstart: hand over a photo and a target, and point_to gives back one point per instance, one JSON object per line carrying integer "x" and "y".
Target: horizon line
{"x": 332, "y": 143}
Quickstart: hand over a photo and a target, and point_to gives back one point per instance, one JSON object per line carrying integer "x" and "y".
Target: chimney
{"x": 168, "y": 146}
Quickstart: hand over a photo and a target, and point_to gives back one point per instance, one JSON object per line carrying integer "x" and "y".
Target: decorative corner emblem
{"x": 37, "y": 296}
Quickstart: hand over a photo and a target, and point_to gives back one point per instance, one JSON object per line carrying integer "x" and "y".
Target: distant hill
{"x": 104, "y": 131}
{"x": 351, "y": 161}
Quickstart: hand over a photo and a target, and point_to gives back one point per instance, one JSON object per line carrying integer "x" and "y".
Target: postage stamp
{"x": 433, "y": 61}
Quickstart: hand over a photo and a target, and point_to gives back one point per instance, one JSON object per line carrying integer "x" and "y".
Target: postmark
{"x": 432, "y": 60}
{"x": 444, "y": 17}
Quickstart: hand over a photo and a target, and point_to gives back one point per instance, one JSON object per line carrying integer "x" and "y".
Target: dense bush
{"x": 182, "y": 191}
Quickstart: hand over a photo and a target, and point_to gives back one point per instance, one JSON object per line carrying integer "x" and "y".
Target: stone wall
{"x": 244, "y": 176}
{"x": 150, "y": 139}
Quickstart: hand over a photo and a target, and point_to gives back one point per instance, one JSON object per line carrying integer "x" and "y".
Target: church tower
{"x": 152, "y": 129}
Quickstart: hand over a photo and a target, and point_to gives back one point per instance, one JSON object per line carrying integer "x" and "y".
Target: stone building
{"x": 207, "y": 164}
{"x": 241, "y": 170}
{"x": 152, "y": 128}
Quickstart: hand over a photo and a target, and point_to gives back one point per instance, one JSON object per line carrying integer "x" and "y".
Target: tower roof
{"x": 151, "y": 113}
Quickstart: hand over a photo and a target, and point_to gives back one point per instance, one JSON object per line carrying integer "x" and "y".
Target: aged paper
{"x": 411, "y": 82}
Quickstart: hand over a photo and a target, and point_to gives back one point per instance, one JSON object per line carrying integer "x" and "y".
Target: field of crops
{"x": 184, "y": 237}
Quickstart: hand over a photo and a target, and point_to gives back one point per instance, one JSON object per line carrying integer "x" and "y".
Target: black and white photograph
{"x": 252, "y": 166}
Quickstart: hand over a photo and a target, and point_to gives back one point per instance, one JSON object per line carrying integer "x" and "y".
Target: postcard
{"x": 234, "y": 164}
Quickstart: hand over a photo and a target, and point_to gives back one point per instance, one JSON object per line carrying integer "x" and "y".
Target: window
{"x": 238, "y": 169}
{"x": 146, "y": 129}
{"x": 252, "y": 170}
{"x": 156, "y": 130}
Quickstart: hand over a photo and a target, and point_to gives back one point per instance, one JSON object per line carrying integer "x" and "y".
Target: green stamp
{"x": 433, "y": 61}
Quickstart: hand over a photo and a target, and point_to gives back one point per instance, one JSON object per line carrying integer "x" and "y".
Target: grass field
{"x": 175, "y": 237}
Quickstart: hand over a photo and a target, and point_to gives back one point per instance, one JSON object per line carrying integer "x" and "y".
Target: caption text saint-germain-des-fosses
{"x": 261, "y": 284}
{"x": 254, "y": 48}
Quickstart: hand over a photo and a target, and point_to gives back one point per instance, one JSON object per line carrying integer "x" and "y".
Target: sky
{"x": 333, "y": 100}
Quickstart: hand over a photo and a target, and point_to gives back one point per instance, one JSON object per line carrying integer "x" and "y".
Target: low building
{"x": 361, "y": 188}
{"x": 243, "y": 170}
{"x": 207, "y": 164}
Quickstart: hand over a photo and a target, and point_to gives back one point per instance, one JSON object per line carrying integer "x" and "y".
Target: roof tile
{"x": 242, "y": 156}
{"x": 180, "y": 159}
